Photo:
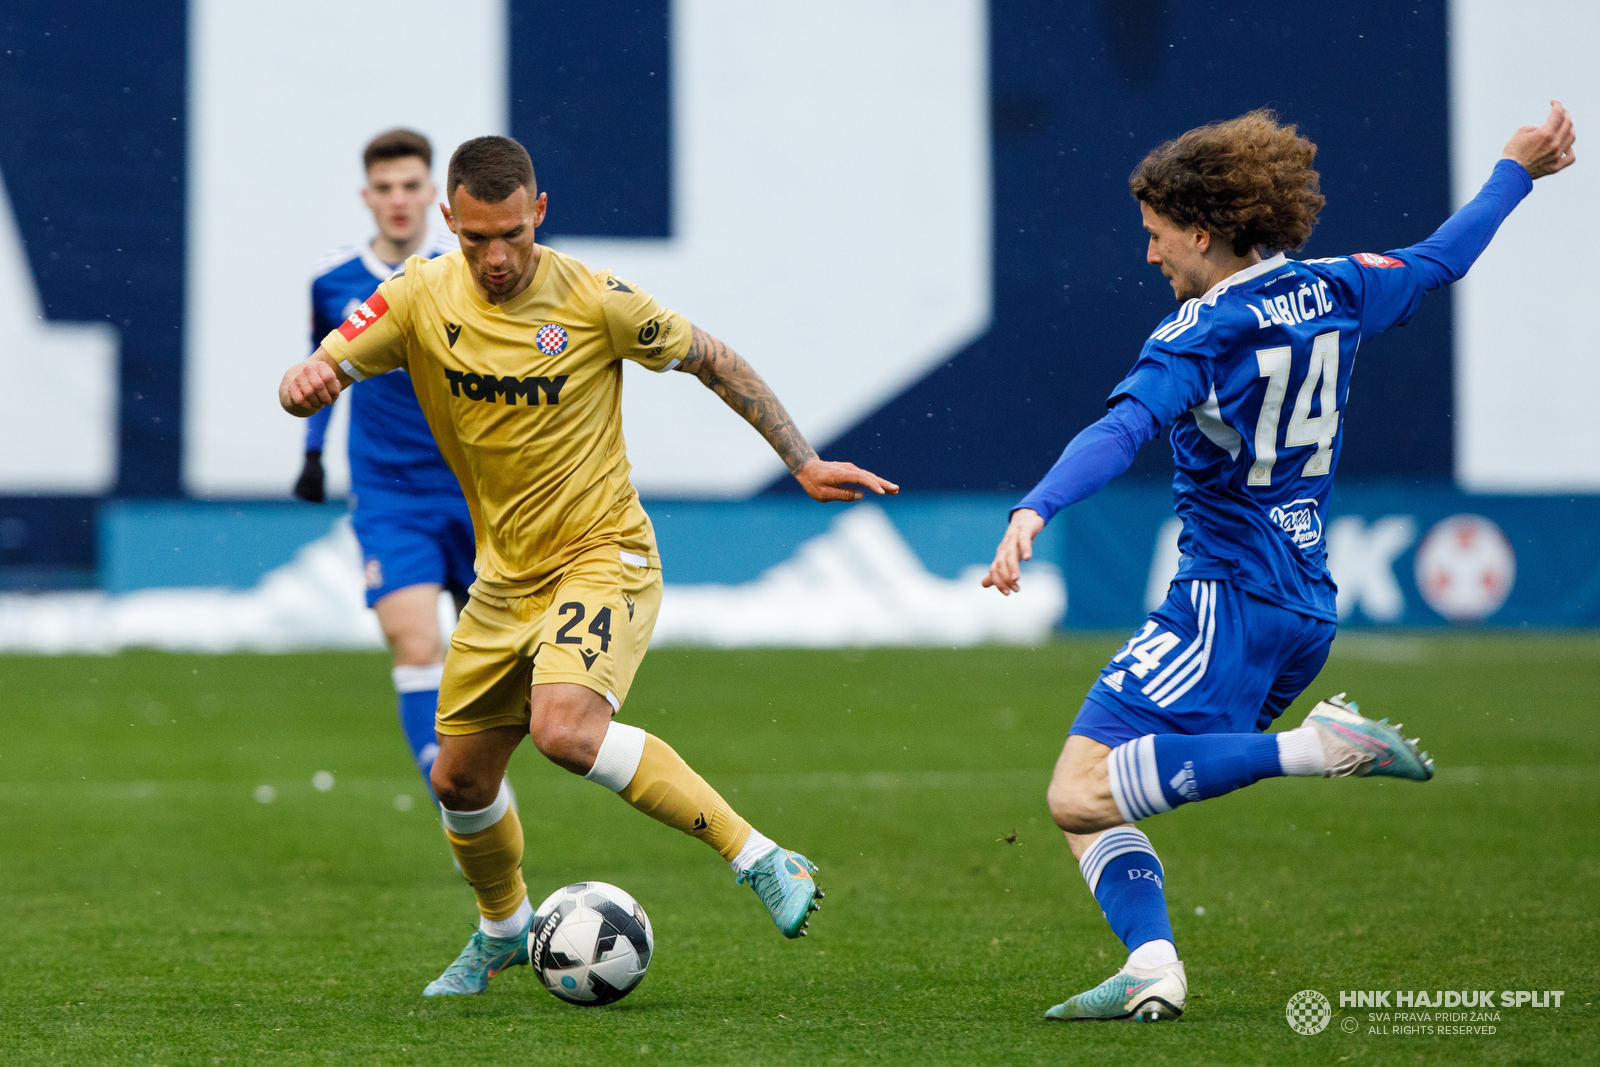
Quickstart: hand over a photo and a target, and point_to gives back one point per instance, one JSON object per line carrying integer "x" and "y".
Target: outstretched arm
{"x": 730, "y": 376}
{"x": 1098, "y": 454}
{"x": 1533, "y": 152}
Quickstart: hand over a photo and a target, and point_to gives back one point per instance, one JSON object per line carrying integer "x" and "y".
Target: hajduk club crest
{"x": 551, "y": 339}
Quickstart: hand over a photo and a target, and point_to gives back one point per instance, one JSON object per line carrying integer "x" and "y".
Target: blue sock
{"x": 1157, "y": 772}
{"x": 1125, "y": 877}
{"x": 418, "y": 692}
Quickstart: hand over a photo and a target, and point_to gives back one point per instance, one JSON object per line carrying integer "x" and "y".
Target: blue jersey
{"x": 392, "y": 451}
{"x": 1253, "y": 378}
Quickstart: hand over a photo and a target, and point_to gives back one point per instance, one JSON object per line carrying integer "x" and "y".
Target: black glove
{"x": 310, "y": 486}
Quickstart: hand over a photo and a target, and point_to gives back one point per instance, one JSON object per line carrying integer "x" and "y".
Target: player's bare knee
{"x": 564, "y": 740}
{"x": 566, "y": 725}
{"x": 410, "y": 622}
{"x": 460, "y": 788}
{"x": 415, "y": 650}
{"x": 552, "y": 735}
{"x": 1064, "y": 808}
{"x": 1072, "y": 805}
{"x": 414, "y": 644}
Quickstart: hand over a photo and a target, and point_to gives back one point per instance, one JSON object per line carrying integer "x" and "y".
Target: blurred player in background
{"x": 1251, "y": 375}
{"x": 516, "y": 354}
{"x": 408, "y": 512}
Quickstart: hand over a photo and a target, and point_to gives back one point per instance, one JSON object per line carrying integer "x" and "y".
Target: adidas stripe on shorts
{"x": 1211, "y": 659}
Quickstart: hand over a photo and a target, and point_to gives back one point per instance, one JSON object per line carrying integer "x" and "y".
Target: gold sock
{"x": 666, "y": 788}
{"x": 492, "y": 861}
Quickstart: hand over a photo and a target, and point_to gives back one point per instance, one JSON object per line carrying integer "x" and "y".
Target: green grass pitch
{"x": 155, "y": 912}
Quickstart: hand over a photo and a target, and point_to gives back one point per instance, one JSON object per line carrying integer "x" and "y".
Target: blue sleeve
{"x": 1455, "y": 247}
{"x": 317, "y": 428}
{"x": 319, "y": 328}
{"x": 1098, "y": 454}
{"x": 1166, "y": 382}
{"x": 1391, "y": 296}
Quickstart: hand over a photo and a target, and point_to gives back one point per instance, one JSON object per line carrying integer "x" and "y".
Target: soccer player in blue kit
{"x": 1251, "y": 375}
{"x": 407, "y": 508}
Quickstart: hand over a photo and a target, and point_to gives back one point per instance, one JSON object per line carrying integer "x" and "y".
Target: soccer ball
{"x": 590, "y": 943}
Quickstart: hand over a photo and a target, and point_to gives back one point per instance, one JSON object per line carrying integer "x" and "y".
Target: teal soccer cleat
{"x": 1355, "y": 745}
{"x": 782, "y": 879}
{"x": 482, "y": 959}
{"x": 1141, "y": 996}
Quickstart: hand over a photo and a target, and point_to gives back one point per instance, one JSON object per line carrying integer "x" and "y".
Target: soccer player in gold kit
{"x": 515, "y": 352}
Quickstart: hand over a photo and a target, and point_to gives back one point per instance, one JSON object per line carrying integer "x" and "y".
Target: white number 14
{"x": 1147, "y": 651}
{"x": 1303, "y": 428}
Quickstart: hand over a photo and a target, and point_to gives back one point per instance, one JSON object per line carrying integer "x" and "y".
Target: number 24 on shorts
{"x": 600, "y": 627}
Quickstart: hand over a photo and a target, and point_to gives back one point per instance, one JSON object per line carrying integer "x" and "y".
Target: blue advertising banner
{"x": 1403, "y": 555}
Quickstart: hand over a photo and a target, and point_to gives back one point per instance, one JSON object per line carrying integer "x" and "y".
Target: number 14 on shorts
{"x": 1148, "y": 647}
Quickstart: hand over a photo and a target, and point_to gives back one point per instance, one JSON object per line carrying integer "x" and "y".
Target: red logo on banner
{"x": 363, "y": 316}
{"x": 1372, "y": 259}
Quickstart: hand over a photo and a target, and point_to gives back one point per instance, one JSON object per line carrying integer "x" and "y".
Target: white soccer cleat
{"x": 1353, "y": 744}
{"x": 1138, "y": 994}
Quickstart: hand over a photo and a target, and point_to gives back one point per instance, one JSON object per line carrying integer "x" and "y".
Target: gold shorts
{"x": 591, "y": 627}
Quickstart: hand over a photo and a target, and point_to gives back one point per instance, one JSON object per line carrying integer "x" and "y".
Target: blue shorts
{"x": 426, "y": 542}
{"x": 1212, "y": 659}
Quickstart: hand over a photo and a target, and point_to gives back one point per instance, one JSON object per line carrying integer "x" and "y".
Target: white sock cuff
{"x": 471, "y": 822}
{"x": 510, "y": 926}
{"x": 755, "y": 847}
{"x": 618, "y": 760}
{"x": 1300, "y": 753}
{"x": 1117, "y": 841}
{"x": 409, "y": 678}
{"x": 1135, "y": 780}
{"x": 1153, "y": 954}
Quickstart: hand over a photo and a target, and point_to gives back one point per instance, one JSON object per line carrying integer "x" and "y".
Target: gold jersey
{"x": 525, "y": 400}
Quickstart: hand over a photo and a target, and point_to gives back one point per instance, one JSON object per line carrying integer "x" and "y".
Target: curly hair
{"x": 1247, "y": 180}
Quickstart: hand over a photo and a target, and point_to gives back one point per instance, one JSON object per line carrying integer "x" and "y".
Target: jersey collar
{"x": 435, "y": 244}
{"x": 522, "y": 299}
{"x": 375, "y": 266}
{"x": 1239, "y": 277}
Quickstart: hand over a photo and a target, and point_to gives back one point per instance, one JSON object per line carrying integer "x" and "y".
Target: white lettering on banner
{"x": 256, "y": 75}
{"x": 58, "y": 411}
{"x": 1163, "y": 563}
{"x": 1526, "y": 376}
{"x": 1360, "y": 556}
{"x": 831, "y": 167}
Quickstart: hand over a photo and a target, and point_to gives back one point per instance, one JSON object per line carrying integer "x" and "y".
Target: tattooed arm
{"x": 726, "y": 373}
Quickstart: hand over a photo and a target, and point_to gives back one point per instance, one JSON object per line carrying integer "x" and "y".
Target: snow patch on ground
{"x": 858, "y": 584}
